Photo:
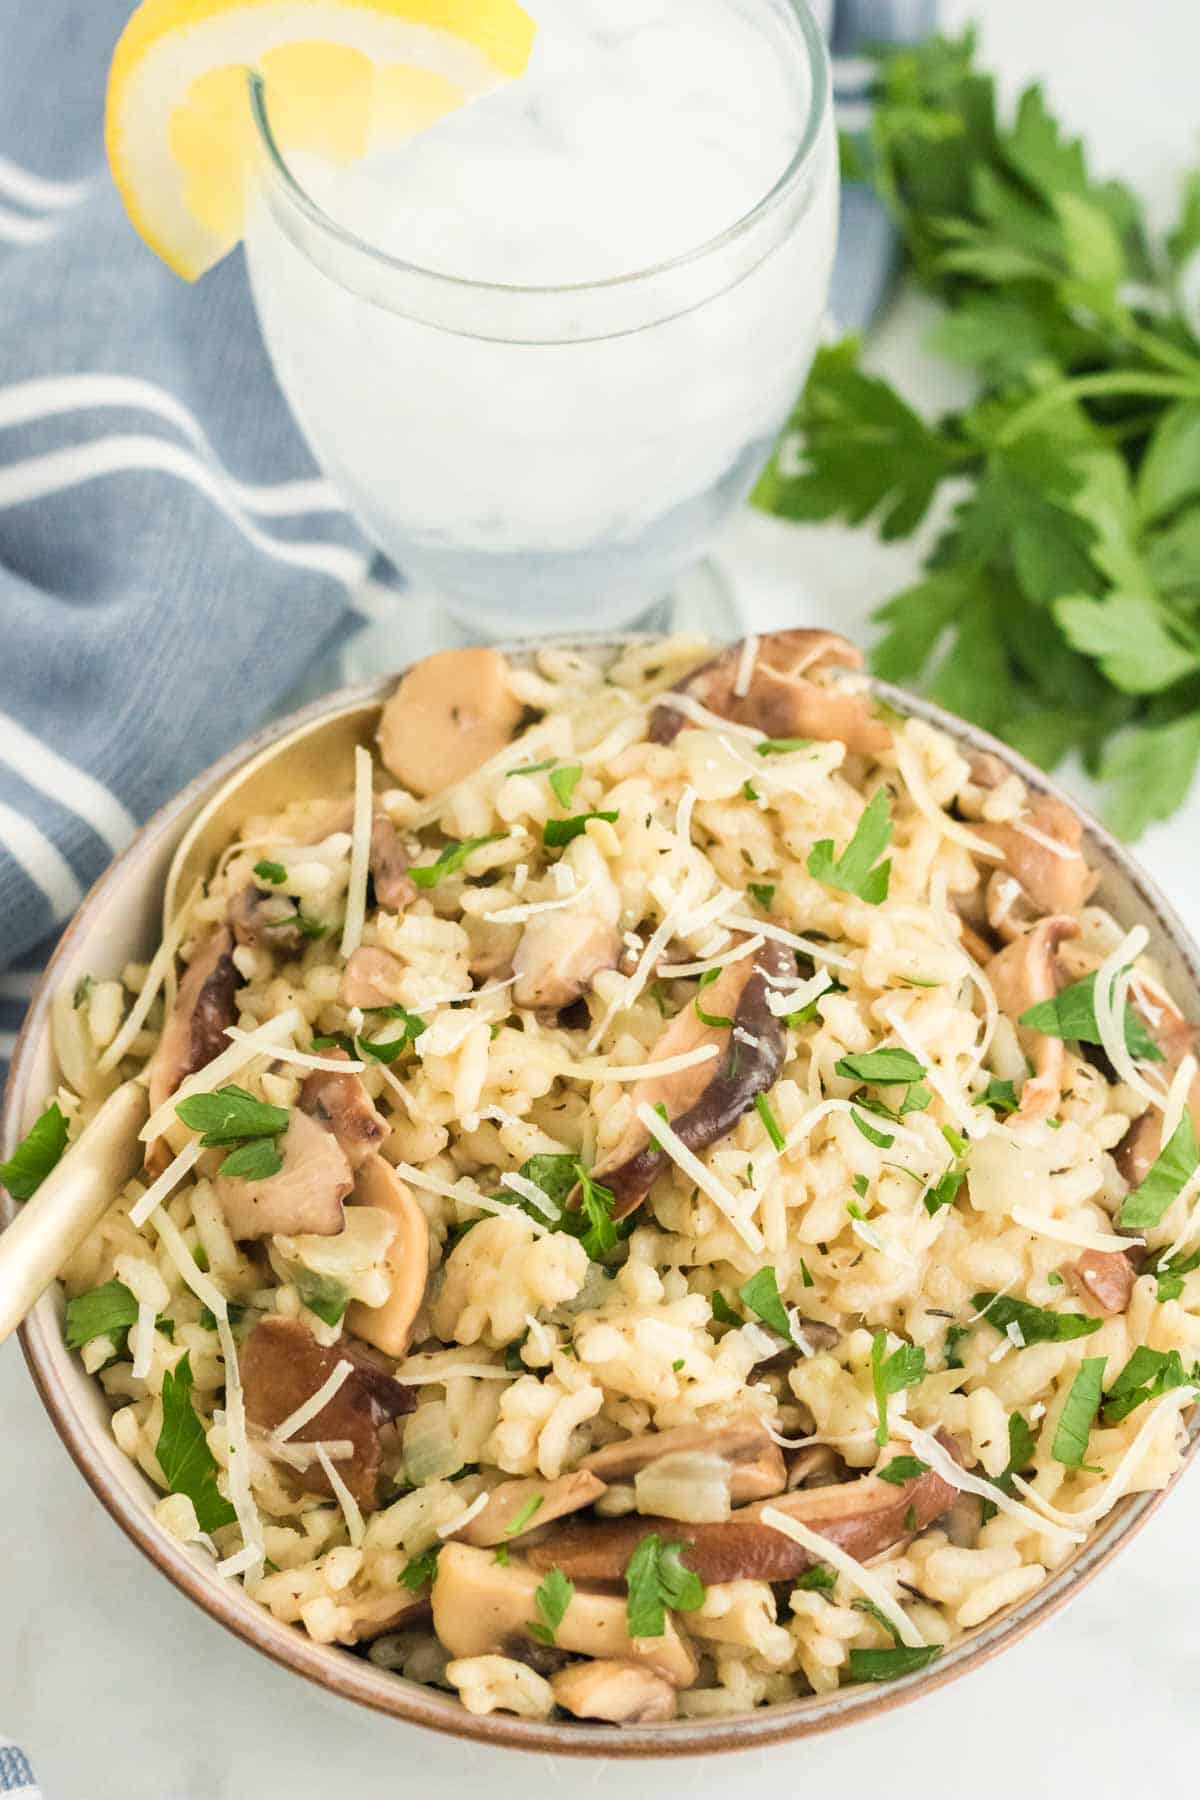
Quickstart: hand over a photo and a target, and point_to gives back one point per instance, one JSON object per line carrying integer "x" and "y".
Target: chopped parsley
{"x": 761, "y": 1295}
{"x": 419, "y": 1570}
{"x": 879, "y": 1138}
{"x": 1072, "y": 1014}
{"x": 820, "y": 1579}
{"x": 656, "y": 1581}
{"x": 886, "y": 1068}
{"x": 1036, "y": 1324}
{"x": 1021, "y": 1446}
{"x": 558, "y": 1174}
{"x": 763, "y": 892}
{"x": 805, "y": 1277}
{"x": 1148, "y": 1375}
{"x": 904, "y": 1368}
{"x": 858, "y": 870}
{"x": 1001, "y": 1096}
{"x": 450, "y": 859}
{"x": 230, "y": 1116}
{"x": 902, "y": 1469}
{"x": 321, "y": 1294}
{"x": 781, "y": 746}
{"x": 762, "y": 1107}
{"x": 1170, "y": 1271}
{"x": 522, "y": 1518}
{"x": 1079, "y": 1414}
{"x": 1172, "y": 1170}
{"x": 749, "y": 791}
{"x": 537, "y": 768}
{"x": 256, "y": 1160}
{"x": 889, "y": 1665}
{"x": 387, "y": 1052}
{"x": 722, "y": 1312}
{"x": 954, "y": 1336}
{"x": 36, "y": 1154}
{"x": 552, "y": 1600}
{"x": 715, "y": 1021}
{"x": 557, "y": 832}
{"x": 106, "y": 1311}
{"x": 273, "y": 872}
{"x": 188, "y": 1465}
{"x": 564, "y": 781}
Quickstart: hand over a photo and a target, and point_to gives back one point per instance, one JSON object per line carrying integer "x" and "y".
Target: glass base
{"x": 401, "y": 625}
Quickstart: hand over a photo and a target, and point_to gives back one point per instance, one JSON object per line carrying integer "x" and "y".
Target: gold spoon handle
{"x": 73, "y": 1197}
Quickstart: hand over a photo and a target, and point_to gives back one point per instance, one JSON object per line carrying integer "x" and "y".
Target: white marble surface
{"x": 120, "y": 1690}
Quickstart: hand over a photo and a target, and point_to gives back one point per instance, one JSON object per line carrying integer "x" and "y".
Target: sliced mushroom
{"x": 1138, "y": 1150}
{"x": 390, "y": 1612}
{"x": 706, "y": 1101}
{"x": 205, "y": 1005}
{"x": 305, "y": 1196}
{"x": 389, "y": 1327}
{"x": 1049, "y": 868}
{"x": 621, "y": 1693}
{"x": 394, "y": 887}
{"x": 1104, "y": 1280}
{"x": 282, "y": 1366}
{"x": 816, "y": 1465}
{"x": 863, "y": 1517}
{"x": 342, "y": 1105}
{"x": 266, "y": 921}
{"x": 371, "y": 978}
{"x": 1023, "y": 974}
{"x": 449, "y": 714}
{"x": 511, "y": 1504}
{"x": 561, "y": 952}
{"x": 480, "y": 1604}
{"x": 781, "y": 697}
{"x": 756, "y": 1462}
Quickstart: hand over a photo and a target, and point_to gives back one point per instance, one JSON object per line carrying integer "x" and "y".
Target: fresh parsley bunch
{"x": 1061, "y": 603}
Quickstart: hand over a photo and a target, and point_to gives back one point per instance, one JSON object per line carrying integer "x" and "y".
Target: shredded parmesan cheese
{"x": 529, "y": 1190}
{"x": 683, "y": 815}
{"x": 170, "y": 1178}
{"x": 705, "y": 1180}
{"x": 464, "y": 1518}
{"x": 942, "y": 1463}
{"x": 928, "y": 807}
{"x": 360, "y": 853}
{"x": 667, "y": 1065}
{"x": 240, "y": 1561}
{"x": 344, "y": 1498}
{"x": 711, "y": 721}
{"x": 302, "y": 1456}
{"x": 1109, "y": 998}
{"x": 240, "y": 1491}
{"x": 423, "y": 1371}
{"x": 143, "y": 1334}
{"x": 1054, "y": 845}
{"x": 679, "y": 971}
{"x": 866, "y": 1582}
{"x": 161, "y": 963}
{"x": 515, "y": 915}
{"x": 1177, "y": 1095}
{"x": 316, "y": 1403}
{"x": 303, "y": 1059}
{"x": 745, "y": 668}
{"x": 802, "y": 995}
{"x": 469, "y": 1196}
{"x": 173, "y": 1242}
{"x": 819, "y": 952}
{"x": 263, "y": 1042}
{"x": 1114, "y": 1488}
{"x": 1077, "y": 1235}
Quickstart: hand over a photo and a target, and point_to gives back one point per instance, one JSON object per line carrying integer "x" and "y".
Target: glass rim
{"x": 790, "y": 178}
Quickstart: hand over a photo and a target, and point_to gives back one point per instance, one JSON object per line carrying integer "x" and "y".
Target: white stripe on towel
{"x": 26, "y": 402}
{"x": 45, "y": 866}
{"x": 70, "y": 786}
{"x": 19, "y": 228}
{"x": 38, "y": 191}
{"x": 38, "y": 476}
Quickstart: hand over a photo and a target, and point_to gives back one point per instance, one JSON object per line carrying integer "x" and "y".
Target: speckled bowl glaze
{"x": 119, "y": 921}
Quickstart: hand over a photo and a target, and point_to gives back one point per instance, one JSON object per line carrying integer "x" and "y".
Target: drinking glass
{"x": 551, "y": 457}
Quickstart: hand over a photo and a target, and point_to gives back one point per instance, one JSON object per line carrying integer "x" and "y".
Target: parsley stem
{"x": 1083, "y": 387}
{"x": 1161, "y": 350}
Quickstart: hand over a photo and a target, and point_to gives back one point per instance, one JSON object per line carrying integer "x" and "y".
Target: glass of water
{"x": 544, "y": 348}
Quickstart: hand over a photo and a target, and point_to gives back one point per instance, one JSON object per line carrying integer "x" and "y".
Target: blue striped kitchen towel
{"x": 170, "y": 565}
{"x": 16, "y": 1776}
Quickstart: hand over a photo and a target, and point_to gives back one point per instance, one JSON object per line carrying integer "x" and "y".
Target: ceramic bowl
{"x": 118, "y": 922}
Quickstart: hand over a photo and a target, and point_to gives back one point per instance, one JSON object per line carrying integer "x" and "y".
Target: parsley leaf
{"x": 419, "y": 1570}
{"x": 273, "y": 872}
{"x": 889, "y": 1665}
{"x": 257, "y": 1160}
{"x": 552, "y": 1600}
{"x": 886, "y": 1067}
{"x": 771, "y": 1125}
{"x": 1079, "y": 1414}
{"x": 231, "y": 1115}
{"x": 879, "y": 1138}
{"x": 1072, "y": 1014}
{"x": 564, "y": 781}
{"x": 386, "y": 1051}
{"x": 1170, "y": 1271}
{"x": 819, "y": 1579}
{"x": 1001, "y": 1096}
{"x": 715, "y": 1021}
{"x": 1172, "y": 1169}
{"x": 904, "y": 1368}
{"x": 858, "y": 870}
{"x": 1146, "y": 1376}
{"x": 1036, "y": 1324}
{"x": 722, "y": 1312}
{"x": 450, "y": 859}
{"x": 521, "y": 1518}
{"x": 183, "y": 1454}
{"x": 655, "y": 1581}
{"x": 761, "y": 1295}
{"x": 36, "y": 1154}
{"x": 1021, "y": 1446}
{"x": 321, "y": 1294}
{"x": 106, "y": 1311}
{"x": 763, "y": 891}
{"x": 557, "y": 832}
{"x": 902, "y": 1469}
{"x": 781, "y": 746}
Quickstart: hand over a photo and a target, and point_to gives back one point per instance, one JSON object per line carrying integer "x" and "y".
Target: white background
{"x": 118, "y": 1689}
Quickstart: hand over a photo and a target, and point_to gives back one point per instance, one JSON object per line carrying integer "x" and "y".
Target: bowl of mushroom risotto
{"x": 667, "y": 1214}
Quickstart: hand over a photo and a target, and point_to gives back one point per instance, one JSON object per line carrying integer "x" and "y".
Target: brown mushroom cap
{"x": 266, "y": 921}
{"x": 282, "y": 1366}
{"x": 620, "y": 1692}
{"x": 389, "y": 1327}
{"x": 305, "y": 1196}
{"x": 509, "y": 1505}
{"x": 389, "y": 861}
{"x": 480, "y": 1604}
{"x": 195, "y": 1031}
{"x": 705, "y": 1102}
{"x": 782, "y": 699}
{"x": 863, "y": 1517}
{"x": 342, "y": 1105}
{"x": 1023, "y": 974}
{"x": 448, "y": 715}
{"x": 756, "y": 1461}
{"x": 1051, "y": 880}
{"x": 1103, "y": 1280}
{"x": 371, "y": 978}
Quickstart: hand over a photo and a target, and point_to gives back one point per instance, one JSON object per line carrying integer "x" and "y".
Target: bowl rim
{"x": 352, "y": 1677}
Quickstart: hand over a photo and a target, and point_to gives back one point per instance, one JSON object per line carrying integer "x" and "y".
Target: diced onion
{"x": 690, "y": 1485}
{"x": 430, "y": 1452}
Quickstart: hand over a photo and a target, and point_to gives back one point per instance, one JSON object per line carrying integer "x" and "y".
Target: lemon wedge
{"x": 341, "y": 77}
